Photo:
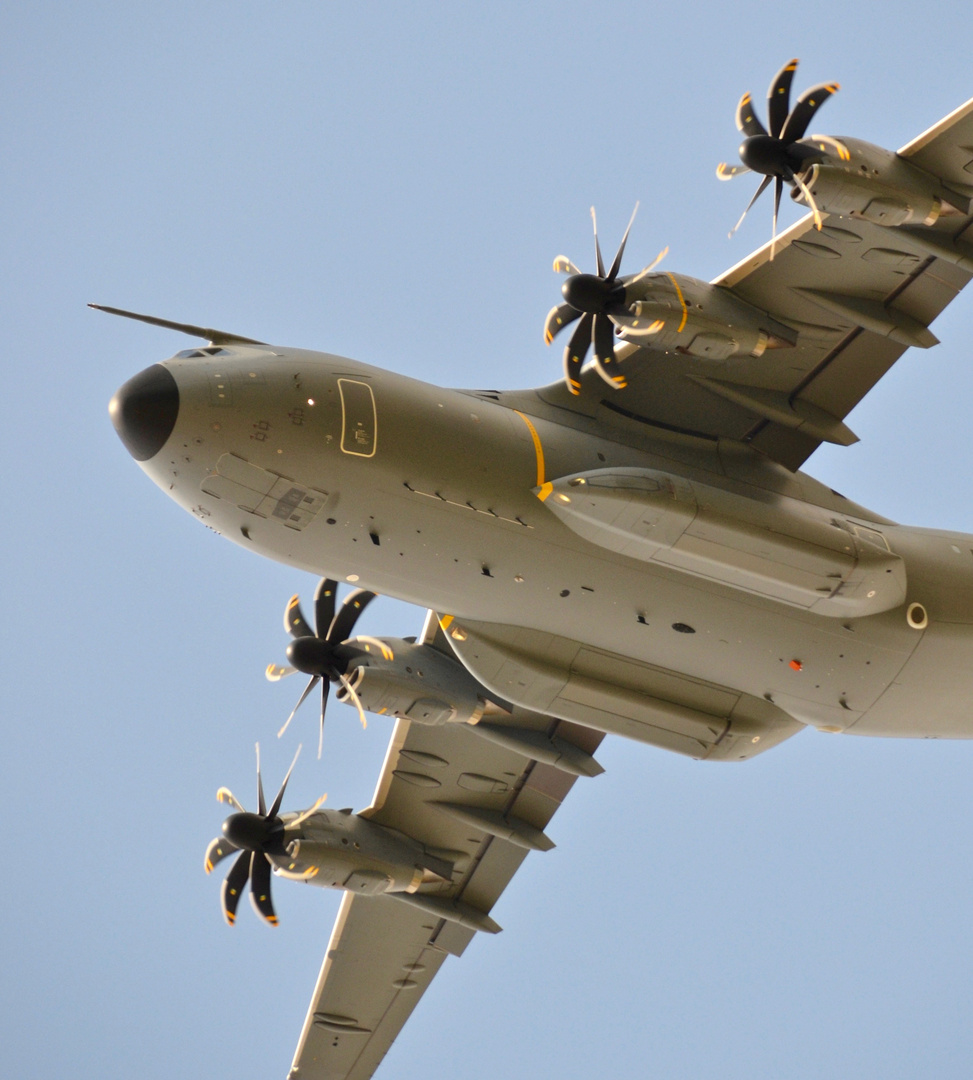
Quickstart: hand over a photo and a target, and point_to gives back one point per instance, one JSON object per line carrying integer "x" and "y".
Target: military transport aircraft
{"x": 632, "y": 550}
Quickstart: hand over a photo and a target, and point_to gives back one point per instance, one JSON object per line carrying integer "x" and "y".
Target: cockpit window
{"x": 359, "y": 425}
{"x": 211, "y": 350}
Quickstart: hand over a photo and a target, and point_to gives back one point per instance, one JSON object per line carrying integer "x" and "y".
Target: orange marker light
{"x": 796, "y": 665}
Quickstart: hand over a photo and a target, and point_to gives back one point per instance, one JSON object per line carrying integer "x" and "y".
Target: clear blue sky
{"x": 391, "y": 182}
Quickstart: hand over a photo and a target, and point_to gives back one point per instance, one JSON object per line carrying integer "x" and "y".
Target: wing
{"x": 378, "y": 964}
{"x": 858, "y": 295}
{"x": 383, "y": 952}
{"x": 876, "y": 287}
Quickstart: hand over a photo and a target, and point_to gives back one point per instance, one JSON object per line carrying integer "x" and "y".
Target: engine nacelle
{"x": 856, "y": 195}
{"x": 675, "y": 312}
{"x": 339, "y": 850}
{"x": 416, "y": 682}
{"x": 860, "y": 180}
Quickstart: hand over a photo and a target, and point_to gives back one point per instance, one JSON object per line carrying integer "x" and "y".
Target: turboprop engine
{"x": 334, "y": 849}
{"x": 337, "y": 849}
{"x": 844, "y": 177}
{"x": 342, "y": 850}
{"x": 416, "y": 682}
{"x": 422, "y": 684}
{"x": 676, "y": 312}
{"x": 860, "y": 180}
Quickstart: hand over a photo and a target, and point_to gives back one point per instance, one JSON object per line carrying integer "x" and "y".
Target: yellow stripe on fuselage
{"x": 538, "y": 449}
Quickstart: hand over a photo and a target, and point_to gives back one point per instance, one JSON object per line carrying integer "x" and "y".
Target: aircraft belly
{"x": 825, "y": 672}
{"x": 544, "y": 579}
{"x": 524, "y": 569}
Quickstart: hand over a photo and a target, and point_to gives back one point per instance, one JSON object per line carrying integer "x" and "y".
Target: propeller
{"x": 321, "y": 653}
{"x": 778, "y": 153}
{"x": 255, "y": 837}
{"x": 594, "y": 299}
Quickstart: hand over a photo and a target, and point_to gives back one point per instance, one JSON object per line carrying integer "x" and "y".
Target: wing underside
{"x": 383, "y": 951}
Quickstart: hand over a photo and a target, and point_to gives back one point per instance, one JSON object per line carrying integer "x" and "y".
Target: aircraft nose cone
{"x": 144, "y": 411}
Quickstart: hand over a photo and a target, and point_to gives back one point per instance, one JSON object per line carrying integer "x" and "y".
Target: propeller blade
{"x": 300, "y": 701}
{"x": 747, "y": 122}
{"x": 575, "y": 352}
{"x": 344, "y": 622}
{"x": 563, "y": 265}
{"x": 224, "y": 795}
{"x": 294, "y": 622}
{"x": 779, "y": 97}
{"x": 261, "y": 805}
{"x": 760, "y": 190}
{"x": 652, "y": 265}
{"x": 803, "y": 112}
{"x": 276, "y": 672}
{"x": 598, "y": 259}
{"x": 233, "y": 886}
{"x": 283, "y": 787}
{"x": 604, "y": 337}
{"x": 809, "y": 198}
{"x": 558, "y": 317}
{"x": 217, "y": 851}
{"x": 324, "y": 601}
{"x": 381, "y": 647}
{"x": 778, "y": 189}
{"x": 727, "y": 172}
{"x": 305, "y": 814}
{"x": 325, "y": 690}
{"x": 829, "y": 142}
{"x": 356, "y": 700}
{"x": 260, "y": 888}
{"x": 617, "y": 261}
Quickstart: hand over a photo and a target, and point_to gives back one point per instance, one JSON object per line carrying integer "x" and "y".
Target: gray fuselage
{"x": 430, "y": 495}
